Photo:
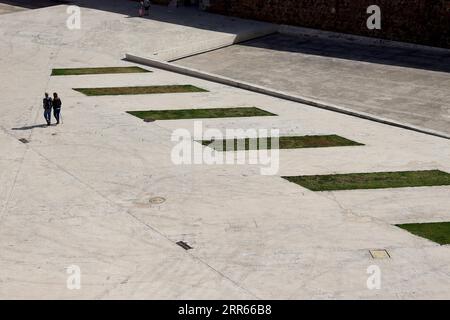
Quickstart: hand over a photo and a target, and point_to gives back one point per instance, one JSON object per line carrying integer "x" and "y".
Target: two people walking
{"x": 49, "y": 104}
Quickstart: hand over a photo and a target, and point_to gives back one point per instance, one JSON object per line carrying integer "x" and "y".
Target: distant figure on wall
{"x": 144, "y": 7}
{"x": 56, "y": 107}
{"x": 147, "y": 7}
{"x": 47, "y": 104}
{"x": 141, "y": 8}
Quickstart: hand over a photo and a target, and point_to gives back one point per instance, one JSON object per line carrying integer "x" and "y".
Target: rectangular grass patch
{"x": 438, "y": 232}
{"x": 102, "y": 70}
{"x": 113, "y": 91}
{"x": 294, "y": 142}
{"x": 200, "y": 113}
{"x": 375, "y": 180}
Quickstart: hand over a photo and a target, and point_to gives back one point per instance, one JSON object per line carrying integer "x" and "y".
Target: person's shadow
{"x": 31, "y": 127}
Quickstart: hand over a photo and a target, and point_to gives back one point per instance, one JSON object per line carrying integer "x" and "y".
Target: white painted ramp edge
{"x": 276, "y": 93}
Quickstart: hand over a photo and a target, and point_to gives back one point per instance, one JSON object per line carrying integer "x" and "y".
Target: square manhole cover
{"x": 379, "y": 254}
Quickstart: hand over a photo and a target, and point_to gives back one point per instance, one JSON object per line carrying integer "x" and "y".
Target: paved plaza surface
{"x": 7, "y": 8}
{"x": 79, "y": 193}
{"x": 410, "y": 85}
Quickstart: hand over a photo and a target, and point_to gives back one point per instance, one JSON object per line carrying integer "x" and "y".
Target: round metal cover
{"x": 157, "y": 200}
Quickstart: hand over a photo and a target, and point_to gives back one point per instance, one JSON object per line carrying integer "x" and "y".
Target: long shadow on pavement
{"x": 31, "y": 127}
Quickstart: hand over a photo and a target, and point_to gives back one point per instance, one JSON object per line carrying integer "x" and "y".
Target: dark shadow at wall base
{"x": 425, "y": 22}
{"x": 34, "y": 4}
{"x": 420, "y": 58}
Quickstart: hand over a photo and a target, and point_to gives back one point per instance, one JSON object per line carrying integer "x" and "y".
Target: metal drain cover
{"x": 149, "y": 120}
{"x": 379, "y": 254}
{"x": 157, "y": 200}
{"x": 184, "y": 245}
{"x": 23, "y": 140}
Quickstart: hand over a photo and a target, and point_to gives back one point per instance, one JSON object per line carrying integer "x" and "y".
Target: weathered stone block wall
{"x": 418, "y": 21}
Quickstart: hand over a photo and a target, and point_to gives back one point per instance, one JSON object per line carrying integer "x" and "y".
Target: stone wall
{"x": 417, "y": 21}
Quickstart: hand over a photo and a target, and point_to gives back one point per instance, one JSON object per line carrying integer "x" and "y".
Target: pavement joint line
{"x": 195, "y": 257}
{"x": 13, "y": 186}
{"x": 127, "y": 211}
{"x": 168, "y": 66}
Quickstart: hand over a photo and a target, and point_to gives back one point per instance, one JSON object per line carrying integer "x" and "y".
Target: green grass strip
{"x": 294, "y": 142}
{"x": 112, "y": 91}
{"x": 375, "y": 180}
{"x": 103, "y": 70}
{"x": 200, "y": 113}
{"x": 438, "y": 232}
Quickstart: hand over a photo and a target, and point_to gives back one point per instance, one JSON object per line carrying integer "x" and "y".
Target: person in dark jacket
{"x": 47, "y": 103}
{"x": 147, "y": 7}
{"x": 56, "y": 107}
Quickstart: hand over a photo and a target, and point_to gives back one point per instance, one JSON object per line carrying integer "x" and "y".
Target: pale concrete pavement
{"x": 406, "y": 85}
{"x": 79, "y": 193}
{"x": 6, "y": 8}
